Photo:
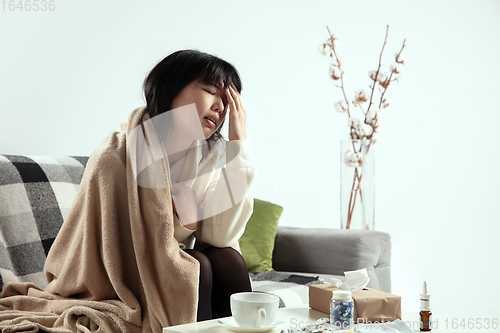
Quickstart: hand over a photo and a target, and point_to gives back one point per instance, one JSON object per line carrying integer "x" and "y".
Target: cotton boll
{"x": 401, "y": 59}
{"x": 370, "y": 115}
{"x": 335, "y": 73}
{"x": 364, "y": 130}
{"x": 341, "y": 106}
{"x": 353, "y": 122}
{"x": 366, "y": 141}
{"x": 382, "y": 78}
{"x": 384, "y": 85}
{"x": 367, "y": 129}
{"x": 336, "y": 43}
{"x": 386, "y": 102}
{"x": 356, "y": 159}
{"x": 375, "y": 137}
{"x": 396, "y": 68}
{"x": 347, "y": 157}
{"x": 359, "y": 132}
{"x": 361, "y": 96}
{"x": 372, "y": 74}
{"x": 325, "y": 48}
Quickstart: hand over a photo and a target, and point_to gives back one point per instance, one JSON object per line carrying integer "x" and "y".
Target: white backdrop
{"x": 70, "y": 76}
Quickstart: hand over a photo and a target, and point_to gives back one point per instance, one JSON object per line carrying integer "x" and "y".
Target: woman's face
{"x": 211, "y": 103}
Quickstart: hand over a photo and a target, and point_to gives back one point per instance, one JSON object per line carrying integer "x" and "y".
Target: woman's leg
{"x": 205, "y": 286}
{"x": 230, "y": 275}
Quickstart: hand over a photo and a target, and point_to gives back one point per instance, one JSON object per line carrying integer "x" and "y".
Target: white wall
{"x": 69, "y": 77}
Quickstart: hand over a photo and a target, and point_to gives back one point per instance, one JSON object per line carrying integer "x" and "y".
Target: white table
{"x": 444, "y": 324}
{"x": 293, "y": 317}
{"x": 298, "y": 317}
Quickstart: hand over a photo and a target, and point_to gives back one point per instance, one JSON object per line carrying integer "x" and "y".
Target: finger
{"x": 230, "y": 100}
{"x": 238, "y": 101}
{"x": 236, "y": 97}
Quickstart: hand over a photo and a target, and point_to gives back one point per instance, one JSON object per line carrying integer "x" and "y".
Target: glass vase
{"x": 357, "y": 187}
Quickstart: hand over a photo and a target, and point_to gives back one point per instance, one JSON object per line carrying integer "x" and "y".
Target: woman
{"x": 122, "y": 260}
{"x": 191, "y": 77}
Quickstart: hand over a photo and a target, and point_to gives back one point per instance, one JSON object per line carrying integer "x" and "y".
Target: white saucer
{"x": 232, "y": 325}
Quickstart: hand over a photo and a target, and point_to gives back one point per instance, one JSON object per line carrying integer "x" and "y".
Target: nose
{"x": 218, "y": 106}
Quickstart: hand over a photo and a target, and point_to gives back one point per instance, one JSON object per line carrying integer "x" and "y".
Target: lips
{"x": 213, "y": 119}
{"x": 210, "y": 122}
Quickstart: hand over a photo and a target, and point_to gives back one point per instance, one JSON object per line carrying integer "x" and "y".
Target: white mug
{"x": 253, "y": 309}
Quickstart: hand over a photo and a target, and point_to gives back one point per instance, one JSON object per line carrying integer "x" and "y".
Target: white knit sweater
{"x": 222, "y": 181}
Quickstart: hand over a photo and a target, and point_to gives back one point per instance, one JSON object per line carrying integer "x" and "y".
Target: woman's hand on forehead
{"x": 237, "y": 114}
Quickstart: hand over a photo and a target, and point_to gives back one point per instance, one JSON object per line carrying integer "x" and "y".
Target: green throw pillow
{"x": 257, "y": 242}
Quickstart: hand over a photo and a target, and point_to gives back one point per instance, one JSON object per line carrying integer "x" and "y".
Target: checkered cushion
{"x": 36, "y": 193}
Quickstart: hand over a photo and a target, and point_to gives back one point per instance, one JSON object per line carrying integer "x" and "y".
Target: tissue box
{"x": 369, "y": 304}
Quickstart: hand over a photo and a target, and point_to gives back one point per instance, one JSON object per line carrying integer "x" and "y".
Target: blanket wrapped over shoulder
{"x": 115, "y": 265}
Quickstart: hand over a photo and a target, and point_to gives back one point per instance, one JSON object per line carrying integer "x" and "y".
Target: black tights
{"x": 223, "y": 272}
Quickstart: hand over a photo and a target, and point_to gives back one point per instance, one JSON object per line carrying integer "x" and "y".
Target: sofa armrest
{"x": 334, "y": 251}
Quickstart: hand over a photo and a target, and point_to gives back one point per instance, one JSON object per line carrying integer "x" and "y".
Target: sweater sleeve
{"x": 228, "y": 202}
{"x": 180, "y": 231}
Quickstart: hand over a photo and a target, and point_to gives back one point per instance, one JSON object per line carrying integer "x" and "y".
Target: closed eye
{"x": 208, "y": 91}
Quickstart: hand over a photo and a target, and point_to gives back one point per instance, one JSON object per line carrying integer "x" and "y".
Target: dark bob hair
{"x": 176, "y": 71}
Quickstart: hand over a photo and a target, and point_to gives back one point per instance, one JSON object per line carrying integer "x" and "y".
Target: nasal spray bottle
{"x": 425, "y": 310}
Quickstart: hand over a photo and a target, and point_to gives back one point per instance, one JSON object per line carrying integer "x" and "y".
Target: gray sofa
{"x": 36, "y": 193}
{"x": 326, "y": 252}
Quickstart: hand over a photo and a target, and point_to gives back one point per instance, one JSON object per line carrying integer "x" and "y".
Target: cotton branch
{"x": 342, "y": 73}
{"x": 378, "y": 69}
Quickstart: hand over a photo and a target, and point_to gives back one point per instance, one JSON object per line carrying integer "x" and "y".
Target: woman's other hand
{"x": 186, "y": 206}
{"x": 237, "y": 115}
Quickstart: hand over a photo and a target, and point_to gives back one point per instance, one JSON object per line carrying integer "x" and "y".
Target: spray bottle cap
{"x": 425, "y": 302}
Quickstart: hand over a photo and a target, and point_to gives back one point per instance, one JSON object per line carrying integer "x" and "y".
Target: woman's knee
{"x": 201, "y": 257}
{"x": 227, "y": 255}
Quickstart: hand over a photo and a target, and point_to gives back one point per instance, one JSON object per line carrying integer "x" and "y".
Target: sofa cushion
{"x": 36, "y": 194}
{"x": 257, "y": 242}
